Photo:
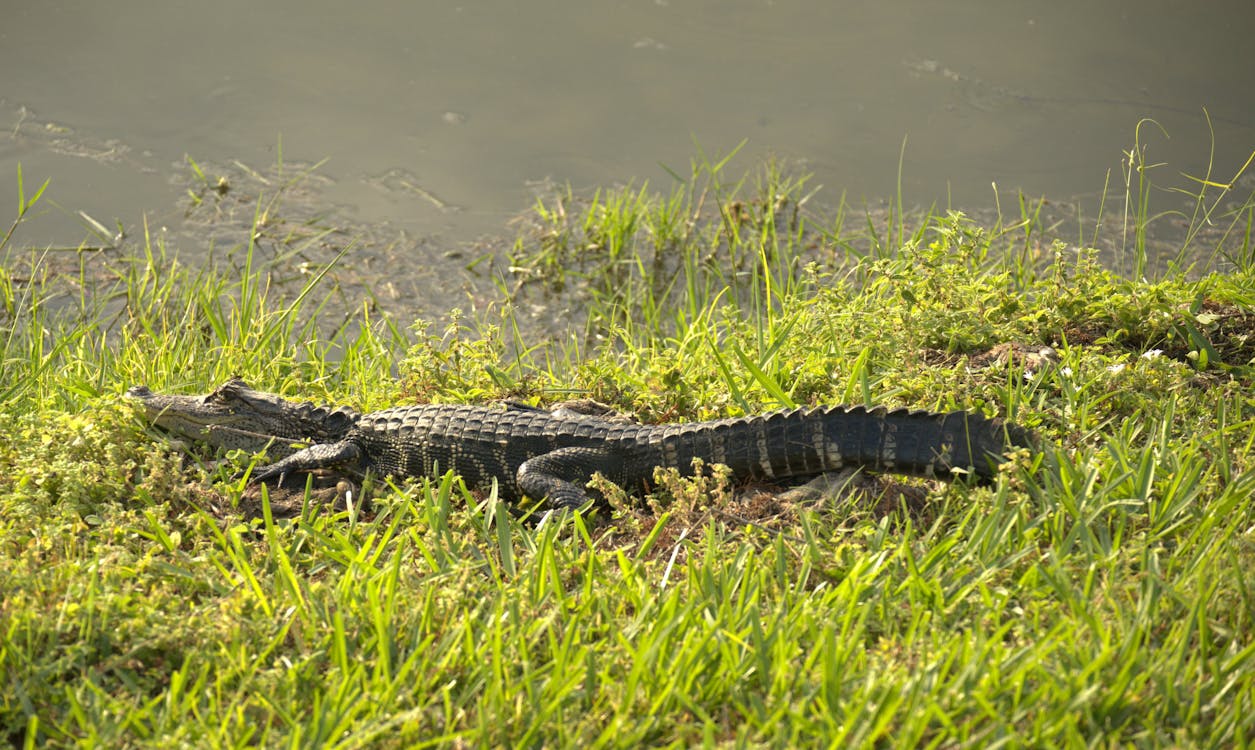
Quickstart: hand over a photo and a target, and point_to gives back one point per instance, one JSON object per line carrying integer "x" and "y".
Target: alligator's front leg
{"x": 342, "y": 455}
{"x": 560, "y": 476}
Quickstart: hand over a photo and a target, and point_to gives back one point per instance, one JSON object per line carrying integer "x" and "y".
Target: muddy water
{"x": 437, "y": 121}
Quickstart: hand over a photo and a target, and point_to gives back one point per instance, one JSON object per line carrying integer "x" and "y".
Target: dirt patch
{"x": 1227, "y": 328}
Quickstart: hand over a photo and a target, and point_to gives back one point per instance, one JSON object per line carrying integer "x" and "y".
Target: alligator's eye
{"x": 227, "y": 391}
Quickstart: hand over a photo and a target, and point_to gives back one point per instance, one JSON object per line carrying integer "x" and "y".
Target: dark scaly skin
{"x": 553, "y": 455}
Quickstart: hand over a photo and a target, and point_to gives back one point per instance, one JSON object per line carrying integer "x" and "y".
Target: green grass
{"x": 1097, "y": 594}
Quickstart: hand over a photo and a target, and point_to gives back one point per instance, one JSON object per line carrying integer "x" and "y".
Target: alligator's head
{"x": 236, "y": 416}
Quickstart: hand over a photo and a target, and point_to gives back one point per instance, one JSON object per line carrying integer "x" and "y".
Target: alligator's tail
{"x": 805, "y": 442}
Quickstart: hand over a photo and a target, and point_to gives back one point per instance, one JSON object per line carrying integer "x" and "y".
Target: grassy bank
{"x": 1098, "y": 589}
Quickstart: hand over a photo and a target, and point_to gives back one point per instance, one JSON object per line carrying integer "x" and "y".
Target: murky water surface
{"x": 437, "y": 121}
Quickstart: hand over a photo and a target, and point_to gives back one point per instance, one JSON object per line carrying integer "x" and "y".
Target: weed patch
{"x": 1097, "y": 591}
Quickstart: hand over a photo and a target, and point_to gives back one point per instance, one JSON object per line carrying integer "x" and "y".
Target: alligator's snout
{"x": 139, "y": 391}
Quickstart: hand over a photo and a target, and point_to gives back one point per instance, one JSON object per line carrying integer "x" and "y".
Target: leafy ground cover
{"x": 1097, "y": 593}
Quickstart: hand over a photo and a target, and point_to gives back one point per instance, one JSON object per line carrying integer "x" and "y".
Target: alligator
{"x": 552, "y": 455}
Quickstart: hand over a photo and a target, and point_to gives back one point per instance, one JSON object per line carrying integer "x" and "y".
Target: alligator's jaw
{"x": 235, "y": 416}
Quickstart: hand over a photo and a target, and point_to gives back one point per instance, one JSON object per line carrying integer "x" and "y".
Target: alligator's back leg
{"x": 560, "y": 476}
{"x": 826, "y": 486}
